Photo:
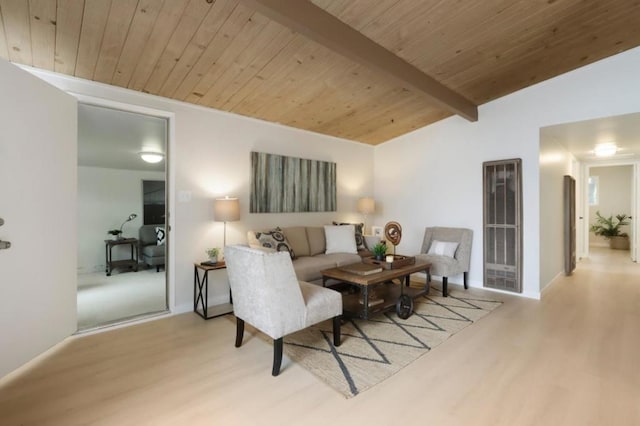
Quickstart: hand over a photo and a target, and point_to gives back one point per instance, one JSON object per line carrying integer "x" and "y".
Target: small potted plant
{"x": 609, "y": 228}
{"x": 213, "y": 254}
{"x": 115, "y": 233}
{"x": 379, "y": 250}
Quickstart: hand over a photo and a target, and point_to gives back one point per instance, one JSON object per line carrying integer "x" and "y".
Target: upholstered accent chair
{"x": 267, "y": 295}
{"x": 152, "y": 253}
{"x": 449, "y": 252}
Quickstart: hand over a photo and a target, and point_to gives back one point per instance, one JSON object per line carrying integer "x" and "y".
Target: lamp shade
{"x": 366, "y": 205}
{"x": 226, "y": 209}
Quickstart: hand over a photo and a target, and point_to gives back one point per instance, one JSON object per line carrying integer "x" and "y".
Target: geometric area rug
{"x": 374, "y": 350}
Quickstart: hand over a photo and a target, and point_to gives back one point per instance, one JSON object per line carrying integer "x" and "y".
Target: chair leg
{"x": 445, "y": 291}
{"x": 277, "y": 356}
{"x": 464, "y": 277}
{"x": 157, "y": 268}
{"x": 239, "y": 331}
{"x": 336, "y": 330}
{"x": 428, "y": 277}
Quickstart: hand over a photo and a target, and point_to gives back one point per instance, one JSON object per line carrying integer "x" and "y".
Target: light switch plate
{"x": 184, "y": 196}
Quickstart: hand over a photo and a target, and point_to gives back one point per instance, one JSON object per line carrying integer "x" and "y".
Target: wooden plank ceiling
{"x": 225, "y": 55}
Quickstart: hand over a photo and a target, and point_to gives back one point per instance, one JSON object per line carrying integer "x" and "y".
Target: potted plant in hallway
{"x": 609, "y": 228}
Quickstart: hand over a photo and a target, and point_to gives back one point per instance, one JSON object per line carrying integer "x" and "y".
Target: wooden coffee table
{"x": 375, "y": 293}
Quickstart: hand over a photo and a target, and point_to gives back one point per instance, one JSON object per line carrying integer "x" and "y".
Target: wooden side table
{"x": 132, "y": 262}
{"x": 201, "y": 298}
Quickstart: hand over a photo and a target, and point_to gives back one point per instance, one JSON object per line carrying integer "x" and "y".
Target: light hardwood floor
{"x": 570, "y": 359}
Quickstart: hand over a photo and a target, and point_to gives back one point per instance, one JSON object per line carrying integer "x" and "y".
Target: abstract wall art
{"x": 282, "y": 184}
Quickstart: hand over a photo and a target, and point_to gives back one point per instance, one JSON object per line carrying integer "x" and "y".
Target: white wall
{"x": 429, "y": 177}
{"x": 615, "y": 186}
{"x": 209, "y": 157}
{"x": 433, "y": 176}
{"x": 38, "y": 143}
{"x": 106, "y": 197}
{"x": 555, "y": 163}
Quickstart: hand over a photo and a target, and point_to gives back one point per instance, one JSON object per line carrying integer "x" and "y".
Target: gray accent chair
{"x": 152, "y": 254}
{"x": 267, "y": 295}
{"x": 445, "y": 266}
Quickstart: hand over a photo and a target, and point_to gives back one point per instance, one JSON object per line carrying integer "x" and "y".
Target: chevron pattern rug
{"x": 373, "y": 350}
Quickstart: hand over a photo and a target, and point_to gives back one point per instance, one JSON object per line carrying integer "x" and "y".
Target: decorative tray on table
{"x": 398, "y": 261}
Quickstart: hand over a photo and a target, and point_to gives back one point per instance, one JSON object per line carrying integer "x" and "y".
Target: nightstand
{"x": 201, "y": 292}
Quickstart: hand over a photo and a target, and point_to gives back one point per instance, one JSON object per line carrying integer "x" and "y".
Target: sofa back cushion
{"x": 316, "y": 238}
{"x": 297, "y": 237}
{"x": 147, "y": 235}
{"x": 252, "y": 240}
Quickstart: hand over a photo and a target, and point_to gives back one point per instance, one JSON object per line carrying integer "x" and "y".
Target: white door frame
{"x": 635, "y": 203}
{"x": 170, "y": 173}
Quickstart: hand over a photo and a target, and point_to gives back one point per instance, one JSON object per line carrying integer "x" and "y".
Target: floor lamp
{"x": 226, "y": 210}
{"x": 366, "y": 206}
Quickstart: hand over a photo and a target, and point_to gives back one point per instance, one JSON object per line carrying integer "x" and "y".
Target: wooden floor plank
{"x": 570, "y": 359}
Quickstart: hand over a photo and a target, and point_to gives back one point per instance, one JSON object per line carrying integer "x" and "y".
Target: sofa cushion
{"x": 361, "y": 243}
{"x": 153, "y": 250}
{"x": 443, "y": 248}
{"x": 253, "y": 241}
{"x": 341, "y": 259}
{"x": 159, "y": 235}
{"x": 308, "y": 267}
{"x": 316, "y": 239}
{"x": 275, "y": 239}
{"x": 147, "y": 234}
{"x": 297, "y": 237}
{"x": 340, "y": 239}
{"x": 442, "y": 265}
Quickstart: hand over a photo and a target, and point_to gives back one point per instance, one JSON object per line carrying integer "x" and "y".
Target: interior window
{"x": 594, "y": 193}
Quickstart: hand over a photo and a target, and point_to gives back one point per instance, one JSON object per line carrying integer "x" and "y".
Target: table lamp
{"x": 129, "y": 219}
{"x": 226, "y": 210}
{"x": 366, "y": 205}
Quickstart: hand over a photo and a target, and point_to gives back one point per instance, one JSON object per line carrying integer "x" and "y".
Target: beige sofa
{"x": 309, "y": 245}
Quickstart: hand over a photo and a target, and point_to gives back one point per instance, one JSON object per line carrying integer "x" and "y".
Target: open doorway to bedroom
{"x": 122, "y": 216}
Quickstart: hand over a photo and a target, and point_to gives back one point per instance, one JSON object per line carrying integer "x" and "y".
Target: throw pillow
{"x": 443, "y": 248}
{"x": 340, "y": 239}
{"x": 275, "y": 239}
{"x": 361, "y": 243}
{"x": 159, "y": 236}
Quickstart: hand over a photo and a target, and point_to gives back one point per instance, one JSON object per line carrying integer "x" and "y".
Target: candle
{"x": 389, "y": 258}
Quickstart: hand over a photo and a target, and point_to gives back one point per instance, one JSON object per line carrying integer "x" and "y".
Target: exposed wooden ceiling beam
{"x": 308, "y": 19}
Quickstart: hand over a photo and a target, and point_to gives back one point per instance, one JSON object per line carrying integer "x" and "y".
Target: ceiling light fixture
{"x": 152, "y": 157}
{"x": 605, "y": 150}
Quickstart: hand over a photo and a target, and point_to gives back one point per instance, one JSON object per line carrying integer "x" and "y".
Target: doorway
{"x": 121, "y": 255}
{"x": 610, "y": 193}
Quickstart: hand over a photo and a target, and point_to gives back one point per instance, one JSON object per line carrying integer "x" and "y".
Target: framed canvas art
{"x": 282, "y": 184}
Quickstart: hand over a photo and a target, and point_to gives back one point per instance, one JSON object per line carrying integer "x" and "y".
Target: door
{"x": 38, "y": 138}
{"x": 569, "y": 224}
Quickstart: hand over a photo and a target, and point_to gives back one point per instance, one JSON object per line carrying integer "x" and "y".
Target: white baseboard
{"x": 422, "y": 277}
{"x": 188, "y": 307}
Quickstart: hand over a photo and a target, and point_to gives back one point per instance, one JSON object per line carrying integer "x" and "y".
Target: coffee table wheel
{"x": 404, "y": 306}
